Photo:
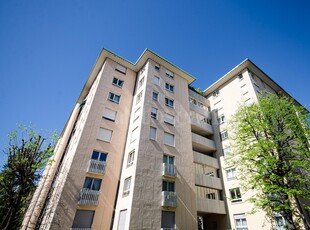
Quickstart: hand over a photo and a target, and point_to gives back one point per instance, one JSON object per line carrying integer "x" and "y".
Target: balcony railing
{"x": 89, "y": 197}
{"x": 167, "y": 228}
{"x": 80, "y": 228}
{"x": 168, "y": 170}
{"x": 96, "y": 166}
{"x": 169, "y": 199}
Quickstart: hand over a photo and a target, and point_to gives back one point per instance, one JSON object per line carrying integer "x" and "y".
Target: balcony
{"x": 96, "y": 166}
{"x": 198, "y": 97}
{"x": 89, "y": 197}
{"x": 203, "y": 144}
{"x": 168, "y": 170}
{"x": 208, "y": 181}
{"x": 210, "y": 206}
{"x": 201, "y": 127}
{"x": 169, "y": 199}
{"x": 206, "y": 160}
{"x": 199, "y": 110}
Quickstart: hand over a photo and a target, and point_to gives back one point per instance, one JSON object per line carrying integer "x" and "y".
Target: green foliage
{"x": 195, "y": 90}
{"x": 27, "y": 155}
{"x": 271, "y": 153}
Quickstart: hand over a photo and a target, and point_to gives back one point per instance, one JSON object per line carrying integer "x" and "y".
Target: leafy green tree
{"x": 271, "y": 154}
{"x": 27, "y": 155}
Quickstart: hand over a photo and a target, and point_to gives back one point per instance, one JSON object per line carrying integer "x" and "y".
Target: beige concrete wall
{"x": 85, "y": 141}
{"x": 233, "y": 94}
{"x": 143, "y": 204}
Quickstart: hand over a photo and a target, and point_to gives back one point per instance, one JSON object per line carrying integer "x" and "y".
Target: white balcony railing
{"x": 89, "y": 197}
{"x": 168, "y": 170}
{"x": 169, "y": 199}
{"x": 96, "y": 166}
{"x": 80, "y": 228}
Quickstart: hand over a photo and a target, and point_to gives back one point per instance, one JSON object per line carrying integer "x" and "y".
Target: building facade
{"x": 142, "y": 150}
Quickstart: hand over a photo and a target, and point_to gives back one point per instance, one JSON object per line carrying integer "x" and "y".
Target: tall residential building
{"x": 143, "y": 150}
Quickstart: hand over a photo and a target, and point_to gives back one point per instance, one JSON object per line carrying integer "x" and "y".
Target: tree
{"x": 271, "y": 153}
{"x": 27, "y": 155}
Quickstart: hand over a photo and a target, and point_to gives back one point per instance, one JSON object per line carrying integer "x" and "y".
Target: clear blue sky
{"x": 47, "y": 48}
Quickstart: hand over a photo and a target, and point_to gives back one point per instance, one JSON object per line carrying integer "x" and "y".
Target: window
{"x": 257, "y": 88}
{"x": 117, "y": 82}
{"x": 134, "y": 135}
{"x": 169, "y": 119}
{"x": 126, "y": 186}
{"x": 252, "y": 76}
{"x": 221, "y": 119}
{"x": 114, "y": 98}
{"x": 131, "y": 157}
{"x": 155, "y": 96}
{"x": 168, "y": 159}
{"x": 224, "y": 135}
{"x": 249, "y": 102}
{"x": 231, "y": 173}
{"x": 280, "y": 223}
{"x": 109, "y": 114}
{"x": 169, "y": 87}
{"x": 157, "y": 67}
{"x": 83, "y": 219}
{"x": 244, "y": 89}
{"x": 105, "y": 135}
{"x": 169, "y": 139}
{"x": 136, "y": 114}
{"x": 240, "y": 221}
{"x": 227, "y": 151}
{"x": 168, "y": 186}
{"x": 153, "y": 132}
{"x": 141, "y": 82}
{"x": 210, "y": 195}
{"x": 154, "y": 113}
{"x": 216, "y": 93}
{"x": 167, "y": 220}
{"x": 139, "y": 97}
{"x": 169, "y": 74}
{"x": 122, "y": 219}
{"x": 169, "y": 102}
{"x": 156, "y": 80}
{"x": 121, "y": 69}
{"x": 235, "y": 194}
{"x": 240, "y": 77}
{"x": 92, "y": 183}
{"x": 218, "y": 106}
{"x": 99, "y": 156}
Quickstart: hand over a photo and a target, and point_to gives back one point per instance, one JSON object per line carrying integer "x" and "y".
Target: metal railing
{"x": 96, "y": 166}
{"x": 89, "y": 197}
{"x": 168, "y": 170}
{"x": 169, "y": 199}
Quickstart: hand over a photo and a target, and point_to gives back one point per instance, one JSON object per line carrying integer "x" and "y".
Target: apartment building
{"x": 143, "y": 150}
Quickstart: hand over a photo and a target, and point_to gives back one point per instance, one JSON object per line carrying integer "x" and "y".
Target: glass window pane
{"x": 96, "y": 184}
{"x": 87, "y": 183}
{"x": 95, "y": 155}
{"x": 103, "y": 157}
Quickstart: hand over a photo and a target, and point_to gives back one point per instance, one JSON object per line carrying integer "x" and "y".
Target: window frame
{"x": 119, "y": 83}
{"x": 235, "y": 195}
{"x": 99, "y": 155}
{"x": 157, "y": 82}
{"x": 167, "y": 121}
{"x": 130, "y": 158}
{"x": 127, "y": 185}
{"x": 154, "y": 115}
{"x": 155, "y": 137}
{"x": 173, "y": 139}
{"x": 169, "y": 87}
{"x": 222, "y": 136}
{"x": 167, "y": 99}
{"x": 114, "y": 95}
{"x": 156, "y": 93}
